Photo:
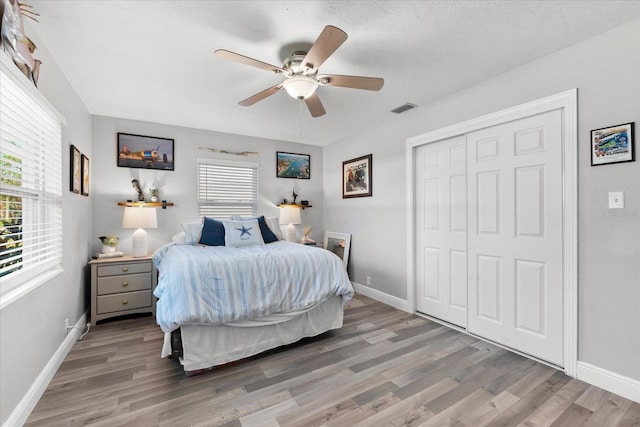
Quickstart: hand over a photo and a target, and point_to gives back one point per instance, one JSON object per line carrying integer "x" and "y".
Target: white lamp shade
{"x": 300, "y": 87}
{"x": 136, "y": 217}
{"x": 139, "y": 218}
{"x": 290, "y": 216}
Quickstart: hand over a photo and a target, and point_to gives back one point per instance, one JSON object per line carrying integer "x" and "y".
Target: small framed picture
{"x": 85, "y": 176}
{"x": 357, "y": 177}
{"x": 147, "y": 152}
{"x": 75, "y": 163}
{"x": 613, "y": 144}
{"x": 293, "y": 165}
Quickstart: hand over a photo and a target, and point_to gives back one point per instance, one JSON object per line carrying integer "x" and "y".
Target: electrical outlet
{"x": 368, "y": 280}
{"x": 66, "y": 325}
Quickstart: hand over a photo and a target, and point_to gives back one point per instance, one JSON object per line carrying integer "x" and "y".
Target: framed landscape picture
{"x": 357, "y": 177}
{"x": 293, "y": 165}
{"x": 146, "y": 152}
{"x": 613, "y": 144}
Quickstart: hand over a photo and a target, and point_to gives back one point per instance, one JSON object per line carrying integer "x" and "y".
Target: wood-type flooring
{"x": 383, "y": 368}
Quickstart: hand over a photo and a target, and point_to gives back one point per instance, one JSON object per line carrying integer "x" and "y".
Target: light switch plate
{"x": 616, "y": 200}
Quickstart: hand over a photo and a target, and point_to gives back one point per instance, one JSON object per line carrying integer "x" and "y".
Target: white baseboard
{"x": 21, "y": 413}
{"x": 610, "y": 381}
{"x": 394, "y": 302}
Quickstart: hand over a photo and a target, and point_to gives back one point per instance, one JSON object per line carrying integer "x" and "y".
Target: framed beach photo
{"x": 293, "y": 165}
{"x": 613, "y": 144}
{"x": 75, "y": 163}
{"x": 357, "y": 177}
{"x": 146, "y": 152}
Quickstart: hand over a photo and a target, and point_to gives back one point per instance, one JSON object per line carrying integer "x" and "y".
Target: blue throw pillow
{"x": 212, "y": 232}
{"x": 267, "y": 235}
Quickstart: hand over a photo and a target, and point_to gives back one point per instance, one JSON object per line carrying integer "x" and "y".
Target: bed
{"x": 221, "y": 303}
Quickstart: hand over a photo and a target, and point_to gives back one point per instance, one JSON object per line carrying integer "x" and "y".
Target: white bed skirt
{"x": 205, "y": 346}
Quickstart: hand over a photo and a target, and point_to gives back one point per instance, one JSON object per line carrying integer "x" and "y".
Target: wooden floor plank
{"x": 383, "y": 367}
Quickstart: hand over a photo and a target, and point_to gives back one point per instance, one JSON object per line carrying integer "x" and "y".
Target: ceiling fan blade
{"x": 354, "y": 82}
{"x": 327, "y": 42}
{"x": 315, "y": 106}
{"x": 260, "y": 95}
{"x": 236, "y": 57}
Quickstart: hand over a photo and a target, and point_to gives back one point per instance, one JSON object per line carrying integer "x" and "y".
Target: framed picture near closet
{"x": 613, "y": 144}
{"x": 357, "y": 177}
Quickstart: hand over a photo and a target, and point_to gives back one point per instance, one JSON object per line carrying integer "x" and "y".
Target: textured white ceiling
{"x": 153, "y": 60}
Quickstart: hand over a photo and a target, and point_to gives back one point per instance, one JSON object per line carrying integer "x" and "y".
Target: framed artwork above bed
{"x": 147, "y": 152}
{"x": 293, "y": 165}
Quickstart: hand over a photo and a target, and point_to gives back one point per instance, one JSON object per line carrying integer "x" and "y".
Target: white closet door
{"x": 515, "y": 235}
{"x": 441, "y": 230}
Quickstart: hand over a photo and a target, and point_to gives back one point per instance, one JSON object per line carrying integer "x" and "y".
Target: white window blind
{"x": 30, "y": 186}
{"x": 227, "y": 188}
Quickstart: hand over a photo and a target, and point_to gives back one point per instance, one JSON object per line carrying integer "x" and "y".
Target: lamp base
{"x": 139, "y": 243}
{"x": 291, "y": 233}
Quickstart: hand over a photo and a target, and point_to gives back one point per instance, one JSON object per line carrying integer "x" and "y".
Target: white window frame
{"x": 42, "y": 199}
{"x": 235, "y": 197}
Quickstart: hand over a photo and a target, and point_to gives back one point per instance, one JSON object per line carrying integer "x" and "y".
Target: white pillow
{"x": 274, "y": 224}
{"x": 179, "y": 238}
{"x": 192, "y": 231}
{"x": 242, "y": 233}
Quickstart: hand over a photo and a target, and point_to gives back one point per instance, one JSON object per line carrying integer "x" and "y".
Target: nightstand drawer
{"x": 123, "y": 301}
{"x": 128, "y": 268}
{"x": 124, "y": 283}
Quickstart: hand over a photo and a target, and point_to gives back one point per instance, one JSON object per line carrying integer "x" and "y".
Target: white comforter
{"x": 220, "y": 284}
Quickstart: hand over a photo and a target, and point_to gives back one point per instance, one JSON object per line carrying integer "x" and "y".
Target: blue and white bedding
{"x": 212, "y": 285}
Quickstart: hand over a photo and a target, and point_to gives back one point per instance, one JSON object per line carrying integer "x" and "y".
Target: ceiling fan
{"x": 301, "y": 72}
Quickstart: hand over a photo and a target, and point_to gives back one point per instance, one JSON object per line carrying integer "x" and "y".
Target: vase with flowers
{"x": 109, "y": 243}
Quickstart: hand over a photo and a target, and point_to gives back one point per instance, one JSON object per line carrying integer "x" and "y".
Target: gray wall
{"x": 605, "y": 71}
{"x": 31, "y": 329}
{"x": 112, "y": 184}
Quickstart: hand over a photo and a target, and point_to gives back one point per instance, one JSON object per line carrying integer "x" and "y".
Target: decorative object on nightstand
{"x": 306, "y": 232}
{"x": 122, "y": 286}
{"x": 139, "y": 218}
{"x": 290, "y": 215}
{"x": 109, "y": 243}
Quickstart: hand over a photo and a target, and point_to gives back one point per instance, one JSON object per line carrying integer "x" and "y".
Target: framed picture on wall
{"x": 357, "y": 177}
{"x": 293, "y": 165}
{"x": 146, "y": 152}
{"x": 75, "y": 177}
{"x": 613, "y": 144}
{"x": 85, "y": 176}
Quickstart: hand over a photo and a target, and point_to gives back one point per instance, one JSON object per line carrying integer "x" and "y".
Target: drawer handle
{"x": 125, "y": 302}
{"x": 125, "y": 269}
{"x": 125, "y": 283}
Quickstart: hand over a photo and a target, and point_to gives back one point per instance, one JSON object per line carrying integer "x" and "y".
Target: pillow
{"x": 268, "y": 233}
{"x": 242, "y": 233}
{"x": 213, "y": 233}
{"x": 274, "y": 225}
{"x": 179, "y": 238}
{"x": 192, "y": 231}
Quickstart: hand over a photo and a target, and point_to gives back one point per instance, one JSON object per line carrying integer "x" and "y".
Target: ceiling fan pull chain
{"x": 300, "y": 116}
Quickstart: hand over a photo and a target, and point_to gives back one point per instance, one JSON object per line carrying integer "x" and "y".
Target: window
{"x": 30, "y": 184}
{"x": 227, "y": 188}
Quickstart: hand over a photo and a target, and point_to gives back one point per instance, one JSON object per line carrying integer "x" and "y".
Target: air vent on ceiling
{"x": 403, "y": 108}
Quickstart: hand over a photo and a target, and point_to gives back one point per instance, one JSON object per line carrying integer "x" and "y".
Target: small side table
{"x": 122, "y": 285}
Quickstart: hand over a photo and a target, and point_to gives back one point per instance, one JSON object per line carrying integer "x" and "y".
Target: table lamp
{"x": 139, "y": 218}
{"x": 290, "y": 216}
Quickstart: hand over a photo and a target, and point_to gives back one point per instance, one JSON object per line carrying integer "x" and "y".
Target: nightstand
{"x": 122, "y": 285}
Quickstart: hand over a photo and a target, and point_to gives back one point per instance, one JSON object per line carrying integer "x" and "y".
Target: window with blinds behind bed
{"x": 227, "y": 188}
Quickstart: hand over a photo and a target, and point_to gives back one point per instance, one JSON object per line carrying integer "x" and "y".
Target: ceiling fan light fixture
{"x": 300, "y": 87}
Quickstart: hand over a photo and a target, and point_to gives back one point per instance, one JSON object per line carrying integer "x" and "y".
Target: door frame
{"x": 567, "y": 102}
